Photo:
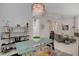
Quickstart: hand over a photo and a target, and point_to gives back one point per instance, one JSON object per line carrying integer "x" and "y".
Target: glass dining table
{"x": 30, "y": 45}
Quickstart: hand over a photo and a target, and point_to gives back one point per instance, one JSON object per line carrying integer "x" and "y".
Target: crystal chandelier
{"x": 38, "y": 9}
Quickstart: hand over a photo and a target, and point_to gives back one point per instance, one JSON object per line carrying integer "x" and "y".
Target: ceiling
{"x": 66, "y": 9}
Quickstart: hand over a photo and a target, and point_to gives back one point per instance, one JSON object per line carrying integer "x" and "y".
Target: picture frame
{"x": 65, "y": 27}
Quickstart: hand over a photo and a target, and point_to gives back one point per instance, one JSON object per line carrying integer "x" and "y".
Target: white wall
{"x": 77, "y": 22}
{"x": 77, "y": 26}
{"x": 44, "y": 32}
{"x": 68, "y": 21}
{"x": 60, "y": 20}
{"x": 14, "y": 13}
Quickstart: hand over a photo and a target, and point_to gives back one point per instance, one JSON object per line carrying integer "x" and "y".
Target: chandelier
{"x": 38, "y": 9}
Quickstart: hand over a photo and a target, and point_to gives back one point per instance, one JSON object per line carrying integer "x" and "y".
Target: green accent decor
{"x": 36, "y": 38}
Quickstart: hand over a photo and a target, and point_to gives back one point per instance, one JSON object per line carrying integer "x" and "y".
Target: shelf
{"x": 4, "y": 44}
{"x": 19, "y": 36}
{"x": 6, "y": 32}
{"x": 8, "y": 43}
{"x": 14, "y": 42}
{"x": 16, "y": 36}
{"x": 5, "y": 38}
{"x": 12, "y": 52}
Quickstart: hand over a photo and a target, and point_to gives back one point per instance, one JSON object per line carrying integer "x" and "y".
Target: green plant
{"x": 36, "y": 37}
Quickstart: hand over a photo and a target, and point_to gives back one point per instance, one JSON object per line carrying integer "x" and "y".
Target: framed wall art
{"x": 65, "y": 27}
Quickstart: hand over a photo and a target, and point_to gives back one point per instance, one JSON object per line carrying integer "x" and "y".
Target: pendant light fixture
{"x": 38, "y": 9}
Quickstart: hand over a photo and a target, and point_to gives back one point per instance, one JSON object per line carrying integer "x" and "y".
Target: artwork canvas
{"x": 65, "y": 27}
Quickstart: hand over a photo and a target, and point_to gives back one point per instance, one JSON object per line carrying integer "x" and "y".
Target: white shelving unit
{"x": 10, "y": 36}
